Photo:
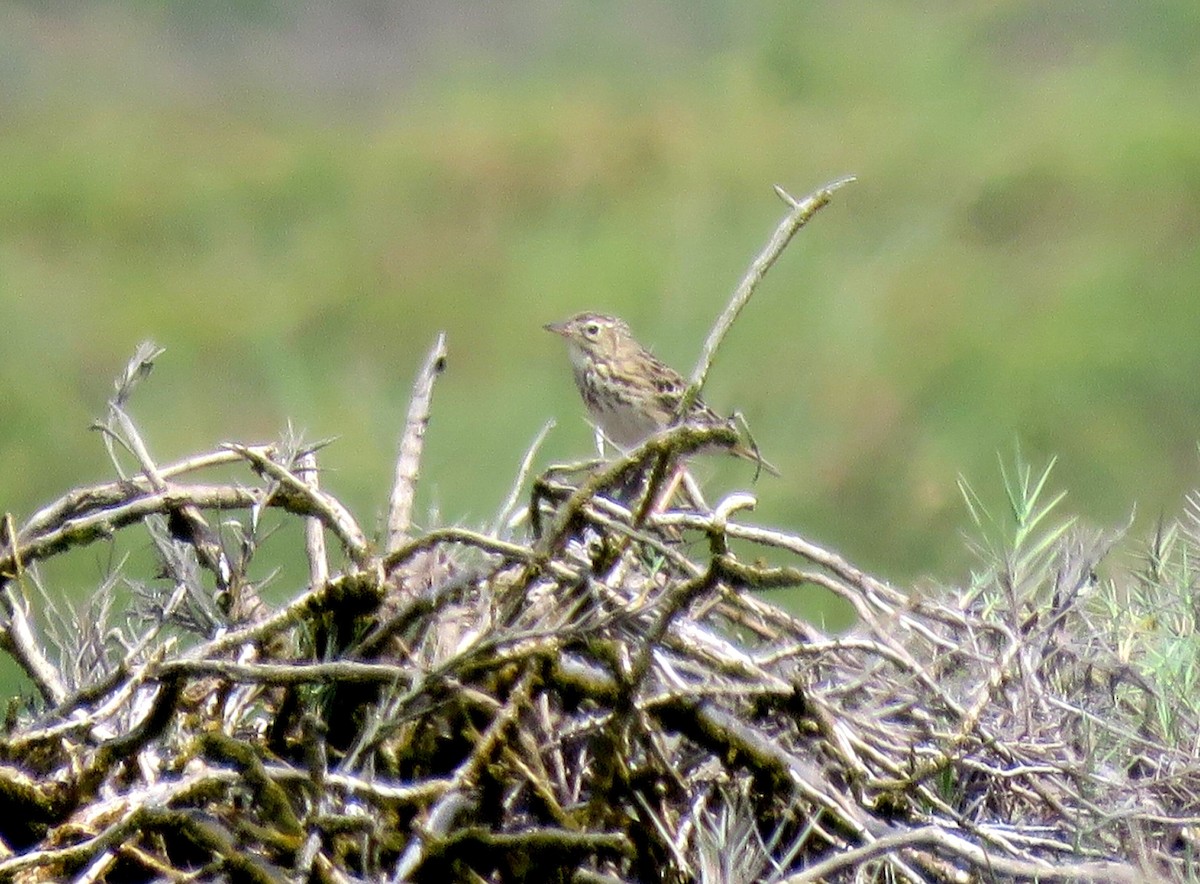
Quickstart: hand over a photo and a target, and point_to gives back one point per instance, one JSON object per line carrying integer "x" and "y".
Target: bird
{"x": 630, "y": 393}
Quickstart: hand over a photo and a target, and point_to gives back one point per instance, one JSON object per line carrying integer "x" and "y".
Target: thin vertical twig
{"x": 408, "y": 463}
{"x": 314, "y": 530}
{"x": 801, "y": 212}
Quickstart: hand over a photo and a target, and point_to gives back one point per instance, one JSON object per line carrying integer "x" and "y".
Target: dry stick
{"x": 441, "y": 817}
{"x": 342, "y": 671}
{"x": 363, "y": 585}
{"x": 16, "y": 636}
{"x": 880, "y": 594}
{"x": 514, "y": 496}
{"x": 60, "y": 858}
{"x": 974, "y": 855}
{"x": 18, "y": 640}
{"x": 111, "y": 493}
{"x": 116, "y": 689}
{"x": 408, "y": 464}
{"x": 485, "y": 543}
{"x": 678, "y": 441}
{"x": 324, "y": 506}
{"x": 314, "y": 531}
{"x": 199, "y": 534}
{"x": 420, "y": 792}
{"x": 84, "y": 529}
{"x": 615, "y": 517}
{"x": 800, "y": 214}
{"x": 79, "y": 852}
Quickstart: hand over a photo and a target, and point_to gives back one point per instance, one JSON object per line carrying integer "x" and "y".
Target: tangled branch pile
{"x": 599, "y": 698}
{"x": 588, "y": 690}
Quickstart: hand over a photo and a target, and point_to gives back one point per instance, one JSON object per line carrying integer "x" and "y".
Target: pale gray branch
{"x": 17, "y": 637}
{"x": 314, "y": 530}
{"x": 801, "y": 212}
{"x": 412, "y": 443}
{"x": 326, "y": 507}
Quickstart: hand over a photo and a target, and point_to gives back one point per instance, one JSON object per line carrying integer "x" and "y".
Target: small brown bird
{"x": 629, "y": 392}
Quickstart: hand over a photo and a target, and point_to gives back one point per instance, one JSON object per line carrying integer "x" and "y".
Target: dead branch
{"x": 412, "y": 443}
{"x": 801, "y": 212}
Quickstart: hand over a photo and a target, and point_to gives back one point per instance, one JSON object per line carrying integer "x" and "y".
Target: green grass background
{"x": 294, "y": 198}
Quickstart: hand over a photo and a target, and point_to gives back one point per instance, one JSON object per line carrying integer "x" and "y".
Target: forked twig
{"x": 17, "y": 636}
{"x": 190, "y": 526}
{"x": 326, "y": 507}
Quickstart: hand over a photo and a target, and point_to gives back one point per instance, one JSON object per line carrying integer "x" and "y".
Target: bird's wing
{"x": 665, "y": 385}
{"x": 669, "y": 386}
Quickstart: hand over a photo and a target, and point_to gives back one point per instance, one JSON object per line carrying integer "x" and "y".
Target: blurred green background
{"x": 293, "y": 198}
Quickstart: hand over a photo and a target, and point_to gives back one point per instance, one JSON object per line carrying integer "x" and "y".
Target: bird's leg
{"x": 682, "y": 482}
{"x": 662, "y": 499}
{"x": 680, "y": 477}
{"x": 692, "y": 491}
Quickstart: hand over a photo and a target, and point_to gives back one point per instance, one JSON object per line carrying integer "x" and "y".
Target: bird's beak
{"x": 559, "y": 328}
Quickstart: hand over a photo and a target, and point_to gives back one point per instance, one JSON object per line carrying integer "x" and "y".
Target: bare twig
{"x": 298, "y": 494}
{"x": 17, "y": 637}
{"x": 189, "y": 524}
{"x": 100, "y": 523}
{"x": 801, "y": 212}
{"x": 344, "y": 671}
{"x": 484, "y": 542}
{"x": 16, "y": 631}
{"x": 314, "y": 531}
{"x": 408, "y": 463}
{"x": 974, "y": 857}
{"x": 111, "y": 493}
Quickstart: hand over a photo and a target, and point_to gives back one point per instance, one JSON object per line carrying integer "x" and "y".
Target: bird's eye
{"x": 591, "y": 329}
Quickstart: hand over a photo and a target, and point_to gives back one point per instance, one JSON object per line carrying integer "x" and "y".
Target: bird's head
{"x": 594, "y": 336}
